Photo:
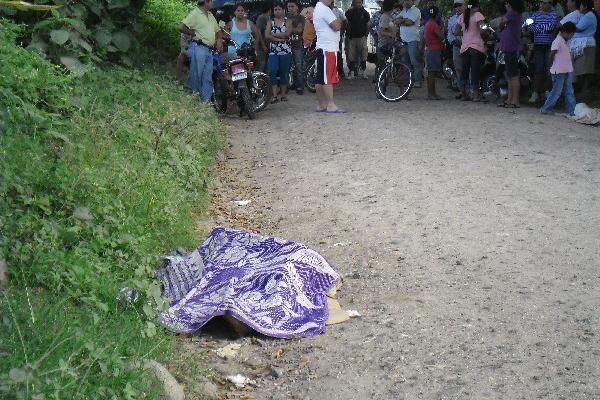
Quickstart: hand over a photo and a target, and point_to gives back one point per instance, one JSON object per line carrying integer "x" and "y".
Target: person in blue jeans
{"x": 206, "y": 33}
{"x": 561, "y": 71}
{"x": 296, "y": 44}
{"x": 410, "y": 21}
{"x": 280, "y": 53}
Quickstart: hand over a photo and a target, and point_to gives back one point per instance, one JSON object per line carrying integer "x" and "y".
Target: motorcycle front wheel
{"x": 394, "y": 82}
{"x": 247, "y": 103}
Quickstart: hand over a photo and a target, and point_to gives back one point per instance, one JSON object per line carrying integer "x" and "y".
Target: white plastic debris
{"x": 242, "y": 203}
{"x": 240, "y": 380}
{"x": 353, "y": 313}
{"x": 229, "y": 351}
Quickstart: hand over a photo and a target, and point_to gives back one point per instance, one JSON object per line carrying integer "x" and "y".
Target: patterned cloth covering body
{"x": 275, "y": 286}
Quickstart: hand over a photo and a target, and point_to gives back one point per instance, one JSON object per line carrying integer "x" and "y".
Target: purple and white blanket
{"x": 275, "y": 286}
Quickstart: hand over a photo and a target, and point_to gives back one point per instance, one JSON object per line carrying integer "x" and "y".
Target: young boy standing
{"x": 562, "y": 71}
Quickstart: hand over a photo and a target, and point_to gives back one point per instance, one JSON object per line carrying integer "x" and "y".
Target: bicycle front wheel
{"x": 394, "y": 82}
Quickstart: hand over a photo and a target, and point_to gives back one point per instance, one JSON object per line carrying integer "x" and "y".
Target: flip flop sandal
{"x": 338, "y": 111}
{"x": 503, "y": 104}
{"x": 320, "y": 110}
{"x": 284, "y": 98}
{"x": 508, "y": 105}
{"x": 274, "y": 100}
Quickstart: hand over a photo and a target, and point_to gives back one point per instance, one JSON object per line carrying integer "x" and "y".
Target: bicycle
{"x": 394, "y": 81}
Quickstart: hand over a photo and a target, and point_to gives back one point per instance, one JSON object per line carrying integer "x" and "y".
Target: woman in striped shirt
{"x": 544, "y": 31}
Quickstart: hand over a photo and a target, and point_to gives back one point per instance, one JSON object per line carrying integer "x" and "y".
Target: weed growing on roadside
{"x": 99, "y": 176}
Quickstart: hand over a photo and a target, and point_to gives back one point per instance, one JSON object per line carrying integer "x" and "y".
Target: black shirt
{"x": 357, "y": 22}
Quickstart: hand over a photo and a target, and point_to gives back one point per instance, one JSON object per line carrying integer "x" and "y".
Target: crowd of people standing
{"x": 283, "y": 33}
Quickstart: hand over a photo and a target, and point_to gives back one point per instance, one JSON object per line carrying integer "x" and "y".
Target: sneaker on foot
{"x": 363, "y": 74}
{"x": 350, "y": 75}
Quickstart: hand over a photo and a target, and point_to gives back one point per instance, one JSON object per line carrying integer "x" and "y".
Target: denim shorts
{"x": 511, "y": 60}
{"x": 433, "y": 60}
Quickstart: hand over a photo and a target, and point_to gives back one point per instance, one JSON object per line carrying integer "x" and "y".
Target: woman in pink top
{"x": 472, "y": 49}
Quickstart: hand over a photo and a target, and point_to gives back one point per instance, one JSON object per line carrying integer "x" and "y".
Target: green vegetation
{"x": 100, "y": 173}
{"x": 78, "y": 33}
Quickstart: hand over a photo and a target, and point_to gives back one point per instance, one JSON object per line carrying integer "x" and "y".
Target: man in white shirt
{"x": 409, "y": 21}
{"x": 327, "y": 26}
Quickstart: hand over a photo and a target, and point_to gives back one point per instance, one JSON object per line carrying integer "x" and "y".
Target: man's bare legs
{"x": 325, "y": 97}
{"x": 321, "y": 97}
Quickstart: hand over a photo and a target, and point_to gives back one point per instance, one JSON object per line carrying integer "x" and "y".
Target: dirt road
{"x": 468, "y": 236}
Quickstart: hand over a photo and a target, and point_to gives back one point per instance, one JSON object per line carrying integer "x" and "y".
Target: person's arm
{"x": 288, "y": 32}
{"x": 219, "y": 40}
{"x": 439, "y": 32}
{"x": 584, "y": 22}
{"x": 183, "y": 28}
{"x": 299, "y": 28}
{"x": 407, "y": 22}
{"x": 457, "y": 29}
{"x": 552, "y": 54}
{"x": 502, "y": 23}
{"x": 347, "y": 20}
{"x": 269, "y": 35}
{"x": 336, "y": 25}
{"x": 411, "y": 20}
{"x": 258, "y": 40}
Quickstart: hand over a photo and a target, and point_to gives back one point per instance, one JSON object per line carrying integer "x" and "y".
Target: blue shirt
{"x": 543, "y": 27}
{"x": 587, "y": 24}
{"x": 410, "y": 33}
{"x": 451, "y": 24}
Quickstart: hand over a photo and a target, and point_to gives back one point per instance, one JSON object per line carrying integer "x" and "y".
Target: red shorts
{"x": 327, "y": 73}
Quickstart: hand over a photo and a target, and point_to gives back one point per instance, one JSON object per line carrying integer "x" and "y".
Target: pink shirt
{"x": 562, "y": 63}
{"x": 472, "y": 37}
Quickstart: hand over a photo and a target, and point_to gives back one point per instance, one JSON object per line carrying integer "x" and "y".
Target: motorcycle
{"x": 493, "y": 77}
{"x": 237, "y": 81}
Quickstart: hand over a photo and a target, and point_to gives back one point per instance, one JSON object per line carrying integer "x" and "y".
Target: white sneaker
{"x": 350, "y": 75}
{"x": 363, "y": 74}
{"x": 534, "y": 97}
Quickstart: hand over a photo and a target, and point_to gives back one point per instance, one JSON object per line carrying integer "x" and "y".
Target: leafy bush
{"x": 160, "y": 19}
{"x": 79, "y": 32}
{"x": 99, "y": 175}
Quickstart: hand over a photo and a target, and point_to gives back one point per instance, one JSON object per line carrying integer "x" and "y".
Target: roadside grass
{"x": 100, "y": 175}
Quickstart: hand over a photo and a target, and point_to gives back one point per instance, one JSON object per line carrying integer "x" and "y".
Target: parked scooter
{"x": 237, "y": 81}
